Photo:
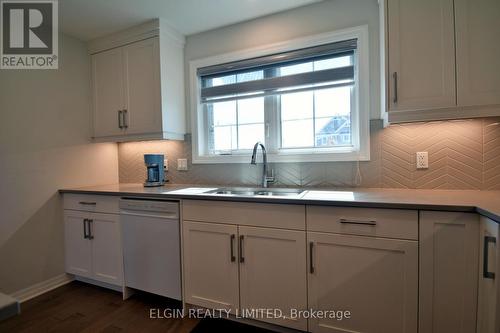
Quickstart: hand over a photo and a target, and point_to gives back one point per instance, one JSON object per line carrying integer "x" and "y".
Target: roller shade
{"x": 267, "y": 75}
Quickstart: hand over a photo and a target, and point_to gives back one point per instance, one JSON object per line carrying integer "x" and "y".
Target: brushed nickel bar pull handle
{"x": 85, "y": 235}
{"x": 242, "y": 258}
{"x": 311, "y": 257}
{"x": 231, "y": 244}
{"x": 120, "y": 126}
{"x": 91, "y": 223}
{"x": 370, "y": 223}
{"x": 125, "y": 118}
{"x": 395, "y": 77}
{"x": 487, "y": 240}
{"x": 88, "y": 203}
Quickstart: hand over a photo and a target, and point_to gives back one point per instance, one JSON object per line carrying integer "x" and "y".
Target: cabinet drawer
{"x": 91, "y": 203}
{"x": 245, "y": 213}
{"x": 390, "y": 223}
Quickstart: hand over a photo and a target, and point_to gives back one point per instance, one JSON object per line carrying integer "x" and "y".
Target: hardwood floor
{"x": 79, "y": 307}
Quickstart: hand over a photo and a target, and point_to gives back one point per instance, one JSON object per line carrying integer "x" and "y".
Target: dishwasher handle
{"x": 166, "y": 215}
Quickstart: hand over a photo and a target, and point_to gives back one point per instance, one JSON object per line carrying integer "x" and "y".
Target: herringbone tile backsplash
{"x": 463, "y": 154}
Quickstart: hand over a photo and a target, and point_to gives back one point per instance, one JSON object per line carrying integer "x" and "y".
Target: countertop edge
{"x": 300, "y": 201}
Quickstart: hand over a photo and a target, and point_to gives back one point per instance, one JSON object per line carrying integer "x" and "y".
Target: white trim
{"x": 140, "y": 137}
{"x": 446, "y": 113}
{"x": 150, "y": 29}
{"x": 362, "y": 152}
{"x": 384, "y": 62}
{"x": 40, "y": 288}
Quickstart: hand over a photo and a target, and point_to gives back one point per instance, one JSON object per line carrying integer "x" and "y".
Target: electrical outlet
{"x": 422, "y": 160}
{"x": 182, "y": 164}
{"x": 165, "y": 163}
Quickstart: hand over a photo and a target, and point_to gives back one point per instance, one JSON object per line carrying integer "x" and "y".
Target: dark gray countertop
{"x": 486, "y": 203}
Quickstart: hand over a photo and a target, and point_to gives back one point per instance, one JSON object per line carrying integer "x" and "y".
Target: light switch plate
{"x": 422, "y": 160}
{"x": 182, "y": 164}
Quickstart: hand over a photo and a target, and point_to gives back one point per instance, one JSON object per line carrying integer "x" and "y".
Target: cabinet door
{"x": 107, "y": 259}
{"x": 376, "y": 279}
{"x": 448, "y": 272}
{"x": 488, "y": 320}
{"x": 142, "y": 87}
{"x": 273, "y": 272}
{"x": 108, "y": 85}
{"x": 421, "y": 54}
{"x": 478, "y": 51}
{"x": 77, "y": 247}
{"x": 210, "y": 265}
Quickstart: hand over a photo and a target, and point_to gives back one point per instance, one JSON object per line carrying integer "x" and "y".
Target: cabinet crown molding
{"x": 153, "y": 28}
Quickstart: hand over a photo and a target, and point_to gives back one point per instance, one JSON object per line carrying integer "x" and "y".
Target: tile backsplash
{"x": 463, "y": 154}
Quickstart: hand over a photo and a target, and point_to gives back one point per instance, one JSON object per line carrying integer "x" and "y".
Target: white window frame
{"x": 360, "y": 112}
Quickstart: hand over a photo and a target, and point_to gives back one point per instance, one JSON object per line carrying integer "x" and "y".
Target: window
{"x": 304, "y": 104}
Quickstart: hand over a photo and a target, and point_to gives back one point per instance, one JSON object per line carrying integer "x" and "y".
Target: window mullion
{"x": 237, "y": 129}
{"x": 270, "y": 111}
{"x": 277, "y": 123}
{"x": 209, "y": 127}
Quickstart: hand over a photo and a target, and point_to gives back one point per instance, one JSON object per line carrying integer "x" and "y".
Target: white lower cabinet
{"x": 375, "y": 279}
{"x": 78, "y": 254}
{"x": 210, "y": 265}
{"x": 242, "y": 268}
{"x": 488, "y": 312}
{"x": 273, "y": 273}
{"x": 448, "y": 279}
{"x": 93, "y": 246}
{"x": 388, "y": 270}
{"x": 107, "y": 260}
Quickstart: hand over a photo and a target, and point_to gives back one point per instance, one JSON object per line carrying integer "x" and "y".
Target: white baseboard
{"x": 42, "y": 287}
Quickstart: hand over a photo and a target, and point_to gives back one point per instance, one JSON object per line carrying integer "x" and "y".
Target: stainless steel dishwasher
{"x": 151, "y": 245}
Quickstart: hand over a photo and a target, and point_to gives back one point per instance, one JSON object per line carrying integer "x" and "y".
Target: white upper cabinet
{"x": 478, "y": 52}
{"x": 421, "y": 54}
{"x": 441, "y": 58}
{"x": 108, "y": 91}
{"x": 142, "y": 82}
{"x": 138, "y": 84}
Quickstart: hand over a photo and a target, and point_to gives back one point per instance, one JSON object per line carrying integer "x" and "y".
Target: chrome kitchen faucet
{"x": 265, "y": 178}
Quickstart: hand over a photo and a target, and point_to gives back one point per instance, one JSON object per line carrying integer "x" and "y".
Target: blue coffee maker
{"x": 154, "y": 166}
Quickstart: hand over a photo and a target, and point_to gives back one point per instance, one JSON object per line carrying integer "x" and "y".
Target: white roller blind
{"x": 268, "y": 75}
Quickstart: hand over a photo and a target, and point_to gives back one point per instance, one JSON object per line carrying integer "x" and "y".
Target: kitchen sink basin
{"x": 257, "y": 192}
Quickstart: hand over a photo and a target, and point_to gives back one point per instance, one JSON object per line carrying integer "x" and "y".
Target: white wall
{"x": 44, "y": 146}
{"x": 321, "y": 17}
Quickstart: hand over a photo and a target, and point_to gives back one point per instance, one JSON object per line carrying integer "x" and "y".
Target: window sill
{"x": 285, "y": 158}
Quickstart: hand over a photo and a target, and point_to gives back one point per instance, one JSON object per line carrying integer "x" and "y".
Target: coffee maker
{"x": 154, "y": 167}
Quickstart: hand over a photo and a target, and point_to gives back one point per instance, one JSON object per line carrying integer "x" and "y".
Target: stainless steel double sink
{"x": 257, "y": 192}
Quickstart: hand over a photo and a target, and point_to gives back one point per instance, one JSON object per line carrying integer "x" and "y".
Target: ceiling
{"x": 88, "y": 19}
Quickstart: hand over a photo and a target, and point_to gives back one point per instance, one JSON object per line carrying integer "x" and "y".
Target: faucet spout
{"x": 265, "y": 178}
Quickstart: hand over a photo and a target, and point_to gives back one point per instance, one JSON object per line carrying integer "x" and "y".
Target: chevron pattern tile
{"x": 491, "y": 154}
{"x": 463, "y": 154}
{"x": 455, "y": 155}
{"x": 396, "y": 156}
{"x": 370, "y": 172}
{"x": 288, "y": 174}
